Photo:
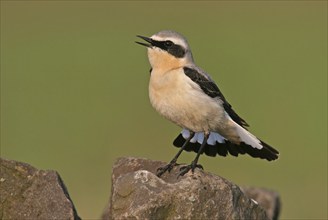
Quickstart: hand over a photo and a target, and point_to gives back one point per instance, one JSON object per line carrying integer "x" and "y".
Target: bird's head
{"x": 167, "y": 49}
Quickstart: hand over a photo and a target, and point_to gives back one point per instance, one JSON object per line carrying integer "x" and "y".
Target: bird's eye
{"x": 168, "y": 43}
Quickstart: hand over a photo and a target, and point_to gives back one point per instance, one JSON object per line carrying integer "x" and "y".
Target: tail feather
{"x": 247, "y": 137}
{"x": 217, "y": 145}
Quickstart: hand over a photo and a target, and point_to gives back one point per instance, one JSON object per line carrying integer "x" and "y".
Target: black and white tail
{"x": 218, "y": 145}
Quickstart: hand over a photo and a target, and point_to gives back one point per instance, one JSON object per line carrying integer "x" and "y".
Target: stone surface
{"x": 267, "y": 199}
{"x": 29, "y": 193}
{"x": 137, "y": 193}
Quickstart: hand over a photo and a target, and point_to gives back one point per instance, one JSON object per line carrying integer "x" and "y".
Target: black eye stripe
{"x": 172, "y": 48}
{"x": 168, "y": 43}
{"x": 177, "y": 51}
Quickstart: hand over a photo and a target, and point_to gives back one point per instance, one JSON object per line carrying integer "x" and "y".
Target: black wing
{"x": 212, "y": 90}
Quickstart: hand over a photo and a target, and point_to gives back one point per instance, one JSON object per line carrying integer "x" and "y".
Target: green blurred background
{"x": 74, "y": 90}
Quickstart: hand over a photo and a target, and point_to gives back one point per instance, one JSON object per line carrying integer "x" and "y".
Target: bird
{"x": 186, "y": 95}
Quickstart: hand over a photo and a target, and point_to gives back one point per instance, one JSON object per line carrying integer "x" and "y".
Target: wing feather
{"x": 211, "y": 89}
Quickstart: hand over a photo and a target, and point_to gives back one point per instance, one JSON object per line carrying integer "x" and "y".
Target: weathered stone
{"x": 29, "y": 193}
{"x": 267, "y": 199}
{"x": 137, "y": 193}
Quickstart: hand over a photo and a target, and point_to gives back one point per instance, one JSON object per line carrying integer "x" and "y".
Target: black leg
{"x": 169, "y": 166}
{"x": 193, "y": 165}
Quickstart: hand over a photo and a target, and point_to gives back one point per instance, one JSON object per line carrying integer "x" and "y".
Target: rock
{"x": 29, "y": 193}
{"x": 267, "y": 199}
{"x": 137, "y": 193}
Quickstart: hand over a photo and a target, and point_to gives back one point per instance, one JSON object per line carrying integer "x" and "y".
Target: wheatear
{"x": 186, "y": 95}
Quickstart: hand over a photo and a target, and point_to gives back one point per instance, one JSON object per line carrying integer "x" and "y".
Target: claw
{"x": 199, "y": 166}
{"x": 162, "y": 170}
{"x": 186, "y": 169}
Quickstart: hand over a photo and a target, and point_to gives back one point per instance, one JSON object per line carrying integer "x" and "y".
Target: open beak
{"x": 149, "y": 40}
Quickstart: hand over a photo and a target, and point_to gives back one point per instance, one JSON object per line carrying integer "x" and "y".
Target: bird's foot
{"x": 186, "y": 169}
{"x": 168, "y": 167}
